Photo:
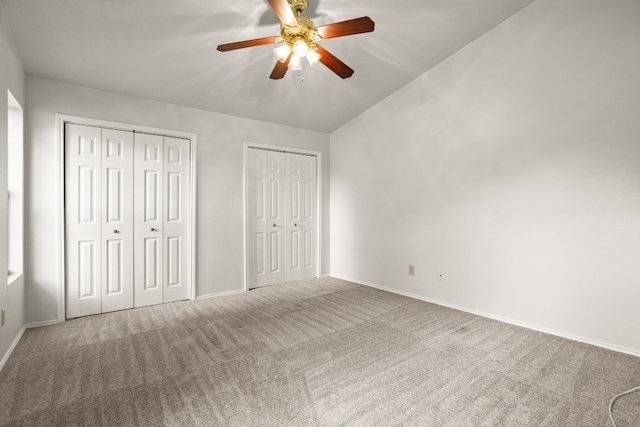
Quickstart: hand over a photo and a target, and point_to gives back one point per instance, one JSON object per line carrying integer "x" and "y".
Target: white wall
{"x": 11, "y": 78}
{"x": 514, "y": 168}
{"x": 220, "y": 144}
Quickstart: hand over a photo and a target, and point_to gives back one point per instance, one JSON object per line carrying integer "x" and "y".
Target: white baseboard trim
{"x": 510, "y": 321}
{"x": 219, "y": 294}
{"x": 19, "y": 337}
{"x": 45, "y": 323}
{"x": 13, "y": 346}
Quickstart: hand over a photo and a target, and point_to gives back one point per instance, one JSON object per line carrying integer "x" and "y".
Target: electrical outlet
{"x": 412, "y": 270}
{"x": 441, "y": 276}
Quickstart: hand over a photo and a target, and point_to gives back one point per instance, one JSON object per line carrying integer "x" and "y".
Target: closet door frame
{"x": 245, "y": 198}
{"x": 61, "y": 121}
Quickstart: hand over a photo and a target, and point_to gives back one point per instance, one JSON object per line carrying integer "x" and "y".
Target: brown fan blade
{"x": 347, "y": 28}
{"x": 334, "y": 64}
{"x": 280, "y": 69}
{"x": 247, "y": 43}
{"x": 284, "y": 12}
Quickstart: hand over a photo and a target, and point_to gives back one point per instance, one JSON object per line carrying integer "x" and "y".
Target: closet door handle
{"x": 116, "y": 231}
{"x": 154, "y": 229}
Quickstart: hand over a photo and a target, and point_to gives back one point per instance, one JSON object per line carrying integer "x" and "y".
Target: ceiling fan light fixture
{"x": 300, "y": 49}
{"x": 282, "y": 53}
{"x": 313, "y": 57}
{"x": 295, "y": 63}
{"x": 299, "y": 36}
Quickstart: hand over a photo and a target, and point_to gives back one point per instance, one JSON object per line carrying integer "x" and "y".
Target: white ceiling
{"x": 166, "y": 50}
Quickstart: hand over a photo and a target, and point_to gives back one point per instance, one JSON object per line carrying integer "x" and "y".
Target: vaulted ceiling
{"x": 166, "y": 50}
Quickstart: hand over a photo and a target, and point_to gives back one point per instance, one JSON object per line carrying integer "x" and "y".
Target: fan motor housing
{"x": 305, "y": 31}
{"x": 298, "y": 6}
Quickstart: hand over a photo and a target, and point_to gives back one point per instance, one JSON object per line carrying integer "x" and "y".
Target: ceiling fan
{"x": 300, "y": 36}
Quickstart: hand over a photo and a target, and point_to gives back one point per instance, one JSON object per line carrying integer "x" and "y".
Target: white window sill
{"x": 13, "y": 277}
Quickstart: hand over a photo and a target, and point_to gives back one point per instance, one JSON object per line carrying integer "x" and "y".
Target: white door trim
{"x": 282, "y": 149}
{"x": 61, "y": 120}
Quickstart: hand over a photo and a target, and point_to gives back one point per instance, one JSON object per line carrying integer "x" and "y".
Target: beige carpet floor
{"x": 318, "y": 352}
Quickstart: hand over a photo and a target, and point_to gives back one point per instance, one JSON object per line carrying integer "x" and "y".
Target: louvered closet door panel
{"x": 117, "y": 220}
{"x": 83, "y": 184}
{"x": 177, "y": 244}
{"x": 148, "y": 219}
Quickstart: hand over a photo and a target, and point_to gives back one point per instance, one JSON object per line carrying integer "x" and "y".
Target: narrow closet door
{"x": 293, "y": 215}
{"x": 148, "y": 219}
{"x": 266, "y": 223}
{"x": 117, "y": 220}
{"x": 83, "y": 183}
{"x": 309, "y": 208}
{"x": 177, "y": 244}
{"x": 300, "y": 212}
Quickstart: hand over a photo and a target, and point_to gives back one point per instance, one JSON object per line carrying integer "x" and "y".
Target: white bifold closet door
{"x": 300, "y": 216}
{"x": 98, "y": 220}
{"x": 126, "y": 219}
{"x": 282, "y": 223}
{"x": 162, "y": 249}
{"x": 266, "y": 217}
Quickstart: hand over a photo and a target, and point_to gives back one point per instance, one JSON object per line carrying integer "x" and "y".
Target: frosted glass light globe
{"x": 300, "y": 49}
{"x": 282, "y": 52}
{"x": 313, "y": 57}
{"x": 295, "y": 63}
